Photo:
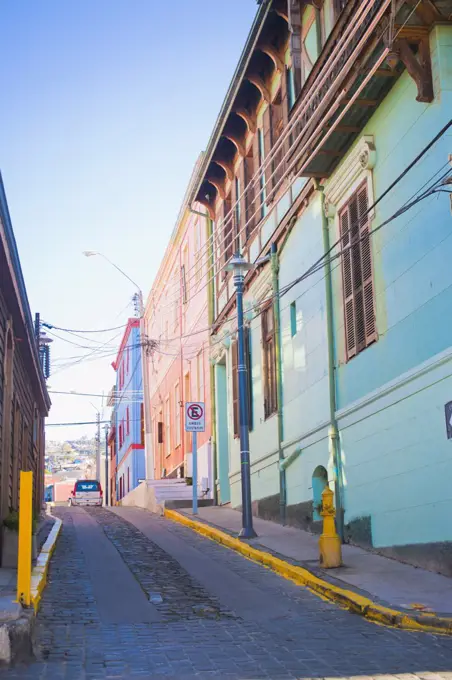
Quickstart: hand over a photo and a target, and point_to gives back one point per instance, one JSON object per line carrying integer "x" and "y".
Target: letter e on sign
{"x": 195, "y": 416}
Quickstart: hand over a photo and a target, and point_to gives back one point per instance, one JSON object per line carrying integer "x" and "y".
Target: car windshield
{"x": 87, "y": 486}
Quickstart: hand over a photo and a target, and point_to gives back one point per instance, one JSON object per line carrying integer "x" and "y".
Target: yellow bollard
{"x": 329, "y": 542}
{"x": 25, "y": 538}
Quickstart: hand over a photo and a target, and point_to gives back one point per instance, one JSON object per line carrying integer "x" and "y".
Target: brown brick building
{"x": 24, "y": 400}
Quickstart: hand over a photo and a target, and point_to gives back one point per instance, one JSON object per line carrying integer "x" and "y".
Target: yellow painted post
{"x": 329, "y": 542}
{"x": 25, "y": 538}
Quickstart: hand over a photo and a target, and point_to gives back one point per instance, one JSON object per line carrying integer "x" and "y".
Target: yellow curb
{"x": 347, "y": 599}
{"x": 39, "y": 573}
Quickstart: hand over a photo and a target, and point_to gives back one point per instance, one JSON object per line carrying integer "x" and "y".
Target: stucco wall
{"x": 305, "y": 372}
{"x": 395, "y": 451}
{"x": 412, "y": 254}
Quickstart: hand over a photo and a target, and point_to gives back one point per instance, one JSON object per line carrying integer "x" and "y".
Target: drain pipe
{"x": 210, "y": 322}
{"x": 211, "y": 319}
{"x": 333, "y": 434}
{"x": 274, "y": 262}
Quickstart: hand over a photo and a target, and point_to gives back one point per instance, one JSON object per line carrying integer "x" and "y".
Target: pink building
{"x": 177, "y": 318}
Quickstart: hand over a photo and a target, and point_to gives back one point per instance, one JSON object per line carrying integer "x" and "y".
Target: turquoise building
{"x": 329, "y": 168}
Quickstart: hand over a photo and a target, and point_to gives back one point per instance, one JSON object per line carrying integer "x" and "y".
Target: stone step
{"x": 166, "y": 482}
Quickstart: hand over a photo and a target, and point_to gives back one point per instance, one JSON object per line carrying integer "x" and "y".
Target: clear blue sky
{"x": 106, "y": 105}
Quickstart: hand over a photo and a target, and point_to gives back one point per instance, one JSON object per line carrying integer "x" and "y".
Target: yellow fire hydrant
{"x": 329, "y": 542}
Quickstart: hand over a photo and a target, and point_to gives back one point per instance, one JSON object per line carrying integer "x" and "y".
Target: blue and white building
{"x": 129, "y": 412}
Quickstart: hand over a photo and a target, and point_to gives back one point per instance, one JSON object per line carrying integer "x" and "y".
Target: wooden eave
{"x": 410, "y": 51}
{"x": 260, "y": 60}
{"x": 285, "y": 226}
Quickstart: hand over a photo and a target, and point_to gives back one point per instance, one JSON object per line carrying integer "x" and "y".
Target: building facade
{"x": 128, "y": 414}
{"x": 177, "y": 321}
{"x": 24, "y": 400}
{"x": 312, "y": 173}
{"x": 112, "y": 458}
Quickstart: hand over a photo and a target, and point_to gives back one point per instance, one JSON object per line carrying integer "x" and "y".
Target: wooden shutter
{"x": 338, "y": 7}
{"x": 250, "y": 207}
{"x": 240, "y": 228}
{"x": 267, "y": 129}
{"x": 366, "y": 267}
{"x": 349, "y": 313}
{"x": 256, "y": 188}
{"x": 160, "y": 432}
{"x": 235, "y": 388}
{"x": 285, "y": 109}
{"x": 249, "y": 376}
{"x": 227, "y": 245}
{"x": 357, "y": 275}
{"x": 235, "y": 228}
{"x": 268, "y": 340}
{"x": 277, "y": 129}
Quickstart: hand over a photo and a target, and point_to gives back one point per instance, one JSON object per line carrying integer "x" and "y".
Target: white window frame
{"x": 355, "y": 170}
{"x": 200, "y": 374}
{"x": 177, "y": 415}
{"x": 167, "y": 427}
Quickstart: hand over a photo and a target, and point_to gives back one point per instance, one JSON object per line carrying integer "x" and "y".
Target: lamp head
{"x": 238, "y": 265}
{"x": 89, "y": 253}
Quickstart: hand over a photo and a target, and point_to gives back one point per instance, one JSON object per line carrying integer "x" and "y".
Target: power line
{"x": 71, "y": 330}
{"x": 262, "y": 172}
{"x": 86, "y": 422}
{"x": 89, "y": 422}
{"x": 321, "y": 261}
{"x": 378, "y": 200}
{"x": 89, "y": 394}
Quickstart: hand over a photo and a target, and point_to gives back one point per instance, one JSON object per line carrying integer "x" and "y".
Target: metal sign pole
{"x": 195, "y": 472}
{"x": 195, "y": 421}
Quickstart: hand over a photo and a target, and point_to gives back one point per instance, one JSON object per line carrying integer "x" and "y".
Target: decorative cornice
{"x": 362, "y": 158}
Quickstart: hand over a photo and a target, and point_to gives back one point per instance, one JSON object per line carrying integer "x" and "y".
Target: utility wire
{"x": 262, "y": 171}
{"x": 71, "y": 330}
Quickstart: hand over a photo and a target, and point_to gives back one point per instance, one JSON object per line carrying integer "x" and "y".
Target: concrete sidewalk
{"x": 379, "y": 578}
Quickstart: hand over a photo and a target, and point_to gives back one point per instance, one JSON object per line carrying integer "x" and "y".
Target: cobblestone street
{"x": 133, "y": 595}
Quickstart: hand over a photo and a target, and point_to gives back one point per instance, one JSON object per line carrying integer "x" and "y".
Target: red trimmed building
{"x": 127, "y": 457}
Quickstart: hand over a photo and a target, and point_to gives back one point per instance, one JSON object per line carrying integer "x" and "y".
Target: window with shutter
{"x": 310, "y": 40}
{"x": 339, "y": 6}
{"x": 249, "y": 376}
{"x": 235, "y": 388}
{"x": 228, "y": 220}
{"x": 357, "y": 274}
{"x": 267, "y": 148}
{"x": 236, "y": 191}
{"x": 177, "y": 416}
{"x": 258, "y": 145}
{"x": 277, "y": 124}
{"x": 167, "y": 427}
{"x": 242, "y": 196}
{"x": 269, "y": 361}
{"x": 262, "y": 173}
{"x": 235, "y": 382}
{"x": 250, "y": 206}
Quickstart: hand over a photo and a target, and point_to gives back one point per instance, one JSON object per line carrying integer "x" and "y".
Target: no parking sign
{"x": 195, "y": 417}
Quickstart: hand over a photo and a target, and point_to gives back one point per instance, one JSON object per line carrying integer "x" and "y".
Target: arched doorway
{"x": 319, "y": 482}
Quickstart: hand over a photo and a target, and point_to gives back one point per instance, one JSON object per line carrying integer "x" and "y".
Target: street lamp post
{"x": 98, "y": 469}
{"x": 107, "y": 481}
{"x": 149, "y": 459}
{"x": 239, "y": 266}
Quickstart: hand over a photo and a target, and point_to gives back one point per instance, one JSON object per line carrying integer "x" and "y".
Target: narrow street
{"x": 134, "y": 595}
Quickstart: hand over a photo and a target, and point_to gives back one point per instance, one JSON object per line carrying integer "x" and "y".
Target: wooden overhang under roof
{"x": 264, "y": 54}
